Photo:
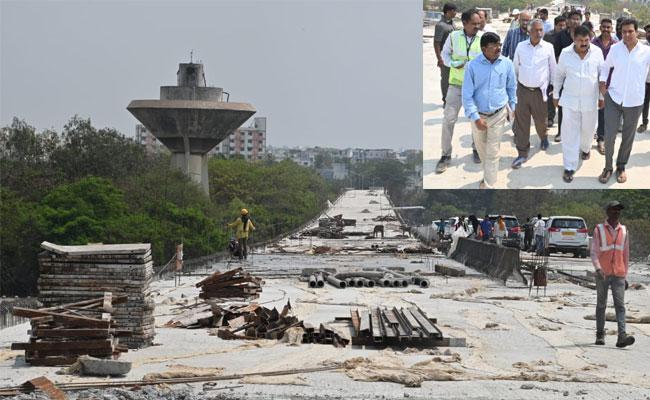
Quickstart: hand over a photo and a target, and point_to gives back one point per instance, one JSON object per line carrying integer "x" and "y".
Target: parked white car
{"x": 567, "y": 234}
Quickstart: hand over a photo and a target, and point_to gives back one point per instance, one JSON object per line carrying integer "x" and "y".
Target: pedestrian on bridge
{"x": 243, "y": 227}
{"x": 610, "y": 255}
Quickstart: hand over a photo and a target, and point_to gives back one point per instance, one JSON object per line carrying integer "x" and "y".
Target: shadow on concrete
{"x": 431, "y": 107}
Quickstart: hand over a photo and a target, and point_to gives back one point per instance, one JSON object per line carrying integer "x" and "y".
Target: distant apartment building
{"x": 380, "y": 154}
{"x": 147, "y": 139}
{"x": 249, "y": 142}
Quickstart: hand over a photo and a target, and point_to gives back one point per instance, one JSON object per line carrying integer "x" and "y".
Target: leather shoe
{"x": 544, "y": 144}
{"x": 558, "y": 138}
{"x": 477, "y": 158}
{"x": 567, "y": 176}
{"x": 624, "y": 341}
{"x": 642, "y": 128}
{"x": 585, "y": 156}
{"x": 601, "y": 147}
{"x": 442, "y": 164}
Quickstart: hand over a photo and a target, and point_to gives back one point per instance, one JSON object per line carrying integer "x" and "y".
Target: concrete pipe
{"x": 422, "y": 282}
{"x": 369, "y": 283}
{"x": 312, "y": 281}
{"x": 336, "y": 282}
{"x": 360, "y": 282}
{"x": 320, "y": 282}
{"x": 360, "y": 274}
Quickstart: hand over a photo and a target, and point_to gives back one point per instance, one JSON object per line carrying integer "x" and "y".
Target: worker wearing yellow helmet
{"x": 243, "y": 226}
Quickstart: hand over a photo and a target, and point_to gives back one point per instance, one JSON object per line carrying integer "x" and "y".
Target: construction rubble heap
{"x": 71, "y": 274}
{"x": 60, "y": 334}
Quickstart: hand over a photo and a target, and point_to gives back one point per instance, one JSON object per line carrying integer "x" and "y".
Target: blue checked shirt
{"x": 488, "y": 86}
{"x": 513, "y": 38}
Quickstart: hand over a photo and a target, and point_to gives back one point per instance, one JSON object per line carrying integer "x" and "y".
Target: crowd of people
{"x": 597, "y": 85}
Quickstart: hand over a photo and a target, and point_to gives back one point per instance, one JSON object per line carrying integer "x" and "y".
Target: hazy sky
{"x": 329, "y": 73}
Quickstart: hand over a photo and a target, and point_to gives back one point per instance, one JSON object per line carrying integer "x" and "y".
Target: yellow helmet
{"x": 244, "y": 211}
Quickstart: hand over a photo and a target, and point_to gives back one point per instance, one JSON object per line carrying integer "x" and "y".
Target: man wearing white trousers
{"x": 577, "y": 76}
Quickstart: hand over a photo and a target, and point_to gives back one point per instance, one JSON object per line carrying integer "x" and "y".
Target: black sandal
{"x": 604, "y": 177}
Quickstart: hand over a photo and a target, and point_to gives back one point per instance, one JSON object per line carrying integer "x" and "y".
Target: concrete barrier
{"x": 495, "y": 261}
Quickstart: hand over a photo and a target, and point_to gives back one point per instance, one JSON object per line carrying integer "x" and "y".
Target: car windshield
{"x": 568, "y": 223}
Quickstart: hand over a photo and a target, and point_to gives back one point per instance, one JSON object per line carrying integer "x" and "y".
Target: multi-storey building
{"x": 249, "y": 142}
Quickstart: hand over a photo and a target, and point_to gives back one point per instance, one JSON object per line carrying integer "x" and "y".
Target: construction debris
{"x": 449, "y": 271}
{"x": 231, "y": 284}
{"x": 385, "y": 218}
{"x": 61, "y": 334}
{"x": 70, "y": 274}
{"x": 99, "y": 367}
{"x": 405, "y": 327}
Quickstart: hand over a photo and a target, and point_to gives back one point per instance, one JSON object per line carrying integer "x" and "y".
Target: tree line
{"x": 88, "y": 185}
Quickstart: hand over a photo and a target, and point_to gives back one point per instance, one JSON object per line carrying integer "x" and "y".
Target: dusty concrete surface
{"x": 543, "y": 170}
{"x": 518, "y": 346}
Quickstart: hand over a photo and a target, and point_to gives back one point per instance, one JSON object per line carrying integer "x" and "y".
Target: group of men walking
{"x": 598, "y": 84}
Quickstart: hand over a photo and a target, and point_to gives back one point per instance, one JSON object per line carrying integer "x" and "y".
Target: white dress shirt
{"x": 627, "y": 86}
{"x": 578, "y": 78}
{"x": 535, "y": 65}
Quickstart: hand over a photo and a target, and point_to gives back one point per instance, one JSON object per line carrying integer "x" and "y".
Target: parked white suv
{"x": 566, "y": 234}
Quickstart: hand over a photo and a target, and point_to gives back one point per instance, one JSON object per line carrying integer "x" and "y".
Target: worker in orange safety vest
{"x": 610, "y": 254}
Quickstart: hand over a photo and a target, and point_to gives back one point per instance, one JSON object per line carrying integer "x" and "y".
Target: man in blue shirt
{"x": 486, "y": 228}
{"x": 489, "y": 88}
{"x": 516, "y": 36}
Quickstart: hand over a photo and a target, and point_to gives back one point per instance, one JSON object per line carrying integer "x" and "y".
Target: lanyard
{"x": 468, "y": 44}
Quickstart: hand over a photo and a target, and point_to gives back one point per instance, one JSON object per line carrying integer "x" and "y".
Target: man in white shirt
{"x": 485, "y": 26}
{"x": 646, "y": 102}
{"x": 543, "y": 15}
{"x": 534, "y": 63}
{"x": 624, "y": 96}
{"x": 577, "y": 75}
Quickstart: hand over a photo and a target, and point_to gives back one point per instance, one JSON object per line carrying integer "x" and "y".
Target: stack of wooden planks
{"x": 60, "y": 334}
{"x": 71, "y": 274}
{"x": 233, "y": 284}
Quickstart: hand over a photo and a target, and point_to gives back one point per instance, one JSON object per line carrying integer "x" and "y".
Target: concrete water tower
{"x": 191, "y": 119}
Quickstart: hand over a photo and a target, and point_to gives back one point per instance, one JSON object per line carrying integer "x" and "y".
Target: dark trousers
{"x": 244, "y": 247}
{"x": 618, "y": 294}
{"x": 529, "y": 103}
{"x": 550, "y": 108}
{"x": 559, "y": 120}
{"x": 600, "y": 131}
{"x": 646, "y": 103}
{"x": 613, "y": 114}
{"x": 444, "y": 82}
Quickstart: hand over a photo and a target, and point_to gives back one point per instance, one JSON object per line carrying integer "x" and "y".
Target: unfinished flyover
{"x": 517, "y": 346}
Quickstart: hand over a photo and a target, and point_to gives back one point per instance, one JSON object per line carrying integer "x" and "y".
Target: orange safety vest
{"x": 612, "y": 250}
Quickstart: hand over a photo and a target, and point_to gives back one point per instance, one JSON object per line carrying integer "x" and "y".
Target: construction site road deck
{"x": 518, "y": 346}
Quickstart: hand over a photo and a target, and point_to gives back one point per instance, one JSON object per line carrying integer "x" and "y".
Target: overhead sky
{"x": 328, "y": 73}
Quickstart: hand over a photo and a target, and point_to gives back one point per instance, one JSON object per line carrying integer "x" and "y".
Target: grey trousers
{"x": 450, "y": 117}
{"x": 529, "y": 104}
{"x": 618, "y": 294}
{"x": 444, "y": 81}
{"x": 613, "y": 114}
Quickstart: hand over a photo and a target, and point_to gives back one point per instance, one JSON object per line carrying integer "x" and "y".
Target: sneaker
{"x": 558, "y": 138}
{"x": 585, "y": 156}
{"x": 442, "y": 164}
{"x": 518, "y": 162}
{"x": 624, "y": 341}
{"x": 642, "y": 128}
{"x": 567, "y": 176}
{"x": 601, "y": 147}
{"x": 600, "y": 339}
{"x": 544, "y": 145}
{"x": 477, "y": 159}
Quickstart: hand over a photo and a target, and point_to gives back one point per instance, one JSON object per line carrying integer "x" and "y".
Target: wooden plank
{"x": 64, "y": 345}
{"x": 128, "y": 248}
{"x": 77, "y": 320}
{"x": 356, "y": 321}
{"x": 449, "y": 271}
